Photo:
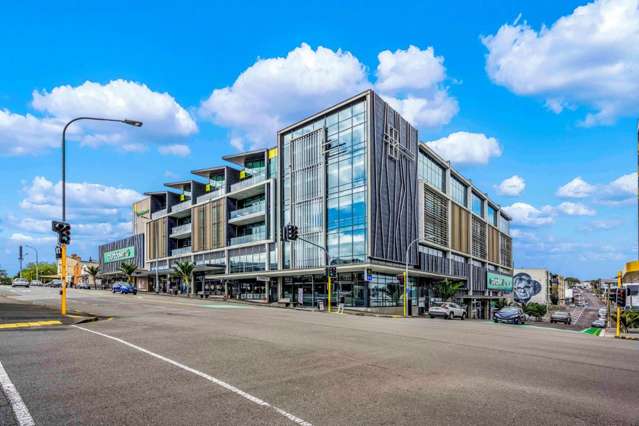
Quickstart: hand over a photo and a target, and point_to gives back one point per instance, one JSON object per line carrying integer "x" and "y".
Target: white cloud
{"x": 179, "y": 150}
{"x": 622, "y": 190}
{"x": 527, "y": 215}
{"x": 589, "y": 58}
{"x": 274, "y": 92}
{"x": 24, "y": 238}
{"x": 163, "y": 117}
{"x": 512, "y": 186}
{"x": 22, "y": 134}
{"x": 576, "y": 188}
{"x": 602, "y": 225}
{"x": 465, "y": 147}
{"x": 575, "y": 209}
{"x": 84, "y": 200}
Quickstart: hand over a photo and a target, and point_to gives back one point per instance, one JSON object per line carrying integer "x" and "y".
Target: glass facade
{"x": 492, "y": 215}
{"x": 458, "y": 191}
{"x": 477, "y": 205}
{"x": 334, "y": 145}
{"x": 431, "y": 172}
{"x": 385, "y": 290}
{"x": 247, "y": 259}
{"x": 504, "y": 225}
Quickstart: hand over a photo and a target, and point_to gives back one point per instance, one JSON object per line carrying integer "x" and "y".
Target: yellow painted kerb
{"x": 30, "y": 324}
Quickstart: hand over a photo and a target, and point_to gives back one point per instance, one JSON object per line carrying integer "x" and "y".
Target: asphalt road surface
{"x": 163, "y": 360}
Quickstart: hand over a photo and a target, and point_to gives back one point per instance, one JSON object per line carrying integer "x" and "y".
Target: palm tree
{"x": 128, "y": 269}
{"x": 446, "y": 289}
{"x": 185, "y": 270}
{"x": 93, "y": 271}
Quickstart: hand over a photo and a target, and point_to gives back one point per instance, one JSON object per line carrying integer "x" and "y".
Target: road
{"x": 163, "y": 360}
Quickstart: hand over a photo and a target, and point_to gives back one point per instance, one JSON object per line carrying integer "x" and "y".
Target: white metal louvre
{"x": 479, "y": 238}
{"x": 435, "y": 217}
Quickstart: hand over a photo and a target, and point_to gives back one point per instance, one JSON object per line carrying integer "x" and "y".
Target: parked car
{"x": 20, "y": 282}
{"x": 127, "y": 288}
{"x": 84, "y": 286}
{"x": 561, "y": 316}
{"x": 510, "y": 314}
{"x": 55, "y": 283}
{"x": 115, "y": 288}
{"x": 599, "y": 323}
{"x": 447, "y": 310}
{"x": 36, "y": 283}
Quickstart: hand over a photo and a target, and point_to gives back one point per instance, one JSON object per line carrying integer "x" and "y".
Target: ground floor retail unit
{"x": 368, "y": 290}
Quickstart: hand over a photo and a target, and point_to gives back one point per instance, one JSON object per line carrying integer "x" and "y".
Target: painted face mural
{"x": 524, "y": 287}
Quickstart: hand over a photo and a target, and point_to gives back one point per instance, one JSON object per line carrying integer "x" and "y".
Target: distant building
{"x": 77, "y": 270}
{"x": 115, "y": 253}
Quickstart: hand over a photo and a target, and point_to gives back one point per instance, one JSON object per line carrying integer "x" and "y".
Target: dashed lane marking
{"x": 218, "y": 382}
{"x": 29, "y": 324}
{"x": 20, "y": 410}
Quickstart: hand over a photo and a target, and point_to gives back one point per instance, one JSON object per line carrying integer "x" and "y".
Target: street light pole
{"x": 63, "y": 246}
{"x": 406, "y": 277}
{"x": 37, "y": 261}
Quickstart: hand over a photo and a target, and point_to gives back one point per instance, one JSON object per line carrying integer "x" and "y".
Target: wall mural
{"x": 525, "y": 287}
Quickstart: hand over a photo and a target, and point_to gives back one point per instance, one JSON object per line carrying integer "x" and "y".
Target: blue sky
{"x": 533, "y": 90}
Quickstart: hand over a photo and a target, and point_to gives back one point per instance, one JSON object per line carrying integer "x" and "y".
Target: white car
{"x": 20, "y": 282}
{"x": 603, "y": 312}
{"x": 447, "y": 310}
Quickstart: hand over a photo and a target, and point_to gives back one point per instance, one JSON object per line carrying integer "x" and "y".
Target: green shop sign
{"x": 499, "y": 282}
{"x": 119, "y": 254}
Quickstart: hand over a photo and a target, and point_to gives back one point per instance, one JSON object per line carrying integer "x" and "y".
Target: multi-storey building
{"x": 366, "y": 196}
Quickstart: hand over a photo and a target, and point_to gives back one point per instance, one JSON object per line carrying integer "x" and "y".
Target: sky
{"x": 536, "y": 102}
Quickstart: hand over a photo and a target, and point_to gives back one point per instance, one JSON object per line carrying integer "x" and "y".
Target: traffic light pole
{"x": 618, "y": 330}
{"x": 63, "y": 246}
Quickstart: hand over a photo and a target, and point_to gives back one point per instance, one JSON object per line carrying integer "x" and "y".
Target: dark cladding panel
{"x": 393, "y": 185}
{"x": 117, "y": 249}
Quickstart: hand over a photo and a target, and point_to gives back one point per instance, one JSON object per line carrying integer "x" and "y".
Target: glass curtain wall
{"x": 325, "y": 171}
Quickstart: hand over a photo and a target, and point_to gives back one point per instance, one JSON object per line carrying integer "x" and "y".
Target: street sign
{"x": 369, "y": 277}
{"x": 262, "y": 278}
{"x": 58, "y": 252}
{"x": 119, "y": 254}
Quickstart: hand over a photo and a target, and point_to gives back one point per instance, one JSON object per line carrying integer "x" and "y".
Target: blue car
{"x": 510, "y": 314}
{"x": 128, "y": 289}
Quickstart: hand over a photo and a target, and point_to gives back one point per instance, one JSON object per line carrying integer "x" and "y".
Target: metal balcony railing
{"x": 248, "y": 182}
{"x": 210, "y": 195}
{"x": 254, "y": 208}
{"x": 182, "y": 206}
{"x": 180, "y": 251}
{"x": 158, "y": 214}
{"x": 180, "y": 230}
{"x": 248, "y": 238}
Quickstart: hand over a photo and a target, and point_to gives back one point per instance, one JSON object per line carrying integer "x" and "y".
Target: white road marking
{"x": 218, "y": 382}
{"x": 19, "y": 409}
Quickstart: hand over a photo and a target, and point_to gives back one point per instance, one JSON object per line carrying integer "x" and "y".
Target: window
{"x": 479, "y": 238}
{"x": 431, "y": 251}
{"x": 504, "y": 225}
{"x": 435, "y": 217}
{"x": 458, "y": 191}
{"x": 477, "y": 205}
{"x": 431, "y": 172}
{"x": 384, "y": 290}
{"x": 492, "y": 215}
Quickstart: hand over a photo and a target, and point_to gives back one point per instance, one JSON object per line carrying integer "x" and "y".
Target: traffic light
{"x": 332, "y": 271}
{"x": 621, "y": 297}
{"x": 63, "y": 230}
{"x": 291, "y": 233}
{"x": 20, "y": 253}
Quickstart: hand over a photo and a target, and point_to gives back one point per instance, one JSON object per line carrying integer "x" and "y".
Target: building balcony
{"x": 158, "y": 214}
{"x": 248, "y": 182}
{"x": 181, "y": 209}
{"x": 250, "y": 214}
{"x": 181, "y": 251}
{"x": 181, "y": 231}
{"x": 211, "y": 195}
{"x": 245, "y": 239}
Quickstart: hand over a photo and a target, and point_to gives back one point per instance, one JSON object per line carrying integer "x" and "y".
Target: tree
{"x": 536, "y": 310}
{"x": 446, "y": 289}
{"x": 44, "y": 269}
{"x": 93, "y": 271}
{"x": 184, "y": 270}
{"x": 629, "y": 319}
{"x": 572, "y": 281}
{"x": 128, "y": 269}
{"x": 500, "y": 303}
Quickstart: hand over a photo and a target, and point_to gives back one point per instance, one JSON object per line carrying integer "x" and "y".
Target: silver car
{"x": 20, "y": 282}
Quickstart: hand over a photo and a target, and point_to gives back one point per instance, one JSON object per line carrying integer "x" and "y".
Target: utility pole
{"x": 618, "y": 330}
{"x": 59, "y": 227}
{"x": 20, "y": 259}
